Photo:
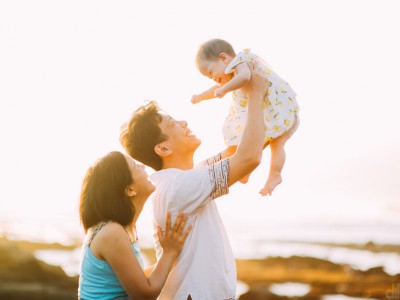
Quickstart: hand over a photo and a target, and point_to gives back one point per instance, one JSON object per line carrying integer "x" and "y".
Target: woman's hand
{"x": 174, "y": 238}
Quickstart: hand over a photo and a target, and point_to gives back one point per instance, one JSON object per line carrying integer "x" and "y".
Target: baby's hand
{"x": 219, "y": 93}
{"x": 196, "y": 99}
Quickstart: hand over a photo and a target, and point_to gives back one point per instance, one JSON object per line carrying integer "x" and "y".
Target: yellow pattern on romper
{"x": 279, "y": 107}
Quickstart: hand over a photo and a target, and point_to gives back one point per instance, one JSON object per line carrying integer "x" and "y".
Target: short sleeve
{"x": 209, "y": 161}
{"x": 219, "y": 178}
{"x": 195, "y": 188}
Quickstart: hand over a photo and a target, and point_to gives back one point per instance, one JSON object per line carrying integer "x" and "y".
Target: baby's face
{"x": 215, "y": 70}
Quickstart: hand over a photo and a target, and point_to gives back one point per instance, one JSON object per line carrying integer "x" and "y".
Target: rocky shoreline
{"x": 22, "y": 276}
{"x": 322, "y": 276}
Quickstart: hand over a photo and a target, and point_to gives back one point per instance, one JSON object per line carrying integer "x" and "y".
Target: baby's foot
{"x": 270, "y": 185}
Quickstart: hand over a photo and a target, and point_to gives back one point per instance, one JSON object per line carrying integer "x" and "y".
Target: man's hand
{"x": 257, "y": 85}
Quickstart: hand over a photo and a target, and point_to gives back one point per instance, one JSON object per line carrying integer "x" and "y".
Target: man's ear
{"x": 130, "y": 192}
{"x": 162, "y": 150}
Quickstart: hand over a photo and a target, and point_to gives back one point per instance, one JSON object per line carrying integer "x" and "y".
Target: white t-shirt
{"x": 206, "y": 268}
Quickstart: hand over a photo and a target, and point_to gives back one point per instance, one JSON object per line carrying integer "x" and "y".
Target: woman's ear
{"x": 130, "y": 192}
{"x": 162, "y": 150}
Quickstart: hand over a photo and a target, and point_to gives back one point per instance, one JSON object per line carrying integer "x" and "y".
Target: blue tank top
{"x": 97, "y": 280}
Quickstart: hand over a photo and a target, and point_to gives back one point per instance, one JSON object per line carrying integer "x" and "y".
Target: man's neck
{"x": 178, "y": 162}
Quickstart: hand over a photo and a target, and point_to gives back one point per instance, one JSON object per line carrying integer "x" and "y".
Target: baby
{"x": 217, "y": 60}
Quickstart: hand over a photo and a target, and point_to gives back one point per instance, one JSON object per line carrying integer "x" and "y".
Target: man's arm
{"x": 249, "y": 152}
{"x": 242, "y": 77}
{"x": 206, "y": 95}
{"x": 210, "y": 161}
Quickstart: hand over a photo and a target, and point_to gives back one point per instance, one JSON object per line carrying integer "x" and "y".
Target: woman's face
{"x": 141, "y": 185}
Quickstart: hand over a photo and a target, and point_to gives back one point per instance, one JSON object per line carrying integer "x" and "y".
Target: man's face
{"x": 179, "y": 137}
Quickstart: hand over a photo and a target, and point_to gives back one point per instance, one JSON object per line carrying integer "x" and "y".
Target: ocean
{"x": 323, "y": 238}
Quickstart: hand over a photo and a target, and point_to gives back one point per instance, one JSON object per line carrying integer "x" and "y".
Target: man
{"x": 206, "y": 267}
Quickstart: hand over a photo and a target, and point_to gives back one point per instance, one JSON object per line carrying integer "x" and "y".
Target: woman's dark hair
{"x": 103, "y": 192}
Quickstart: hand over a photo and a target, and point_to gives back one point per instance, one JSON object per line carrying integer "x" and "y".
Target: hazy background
{"x": 71, "y": 72}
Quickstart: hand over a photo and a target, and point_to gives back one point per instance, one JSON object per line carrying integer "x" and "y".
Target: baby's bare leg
{"x": 278, "y": 157}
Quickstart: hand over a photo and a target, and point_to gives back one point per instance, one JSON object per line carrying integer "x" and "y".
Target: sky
{"x": 71, "y": 72}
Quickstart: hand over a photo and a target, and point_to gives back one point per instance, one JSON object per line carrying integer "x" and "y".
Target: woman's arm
{"x": 148, "y": 270}
{"x": 117, "y": 251}
{"x": 242, "y": 77}
{"x": 206, "y": 95}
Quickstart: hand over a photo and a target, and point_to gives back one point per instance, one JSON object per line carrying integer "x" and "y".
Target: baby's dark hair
{"x": 210, "y": 50}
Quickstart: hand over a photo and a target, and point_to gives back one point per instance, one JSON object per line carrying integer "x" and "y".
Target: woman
{"x": 113, "y": 194}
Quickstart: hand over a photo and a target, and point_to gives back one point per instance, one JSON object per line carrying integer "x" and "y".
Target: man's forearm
{"x": 249, "y": 152}
{"x": 252, "y": 141}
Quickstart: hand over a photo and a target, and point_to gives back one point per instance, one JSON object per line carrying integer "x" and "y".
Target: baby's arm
{"x": 243, "y": 76}
{"x": 208, "y": 94}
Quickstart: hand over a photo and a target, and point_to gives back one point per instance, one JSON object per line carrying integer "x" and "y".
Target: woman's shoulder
{"x": 109, "y": 231}
{"x": 113, "y": 227}
{"x": 104, "y": 236}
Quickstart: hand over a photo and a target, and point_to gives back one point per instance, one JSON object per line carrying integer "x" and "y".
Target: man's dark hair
{"x": 142, "y": 133}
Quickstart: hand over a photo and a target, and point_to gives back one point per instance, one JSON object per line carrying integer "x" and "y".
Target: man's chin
{"x": 196, "y": 144}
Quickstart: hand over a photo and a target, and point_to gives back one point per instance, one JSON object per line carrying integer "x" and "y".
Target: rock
{"x": 22, "y": 276}
{"x": 323, "y": 277}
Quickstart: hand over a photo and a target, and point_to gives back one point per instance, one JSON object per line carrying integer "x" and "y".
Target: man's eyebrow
{"x": 170, "y": 120}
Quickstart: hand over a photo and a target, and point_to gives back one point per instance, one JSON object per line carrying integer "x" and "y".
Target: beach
{"x": 322, "y": 259}
{"x": 24, "y": 276}
{"x": 72, "y": 72}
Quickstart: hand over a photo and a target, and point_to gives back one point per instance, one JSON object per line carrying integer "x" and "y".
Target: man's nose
{"x": 183, "y": 123}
